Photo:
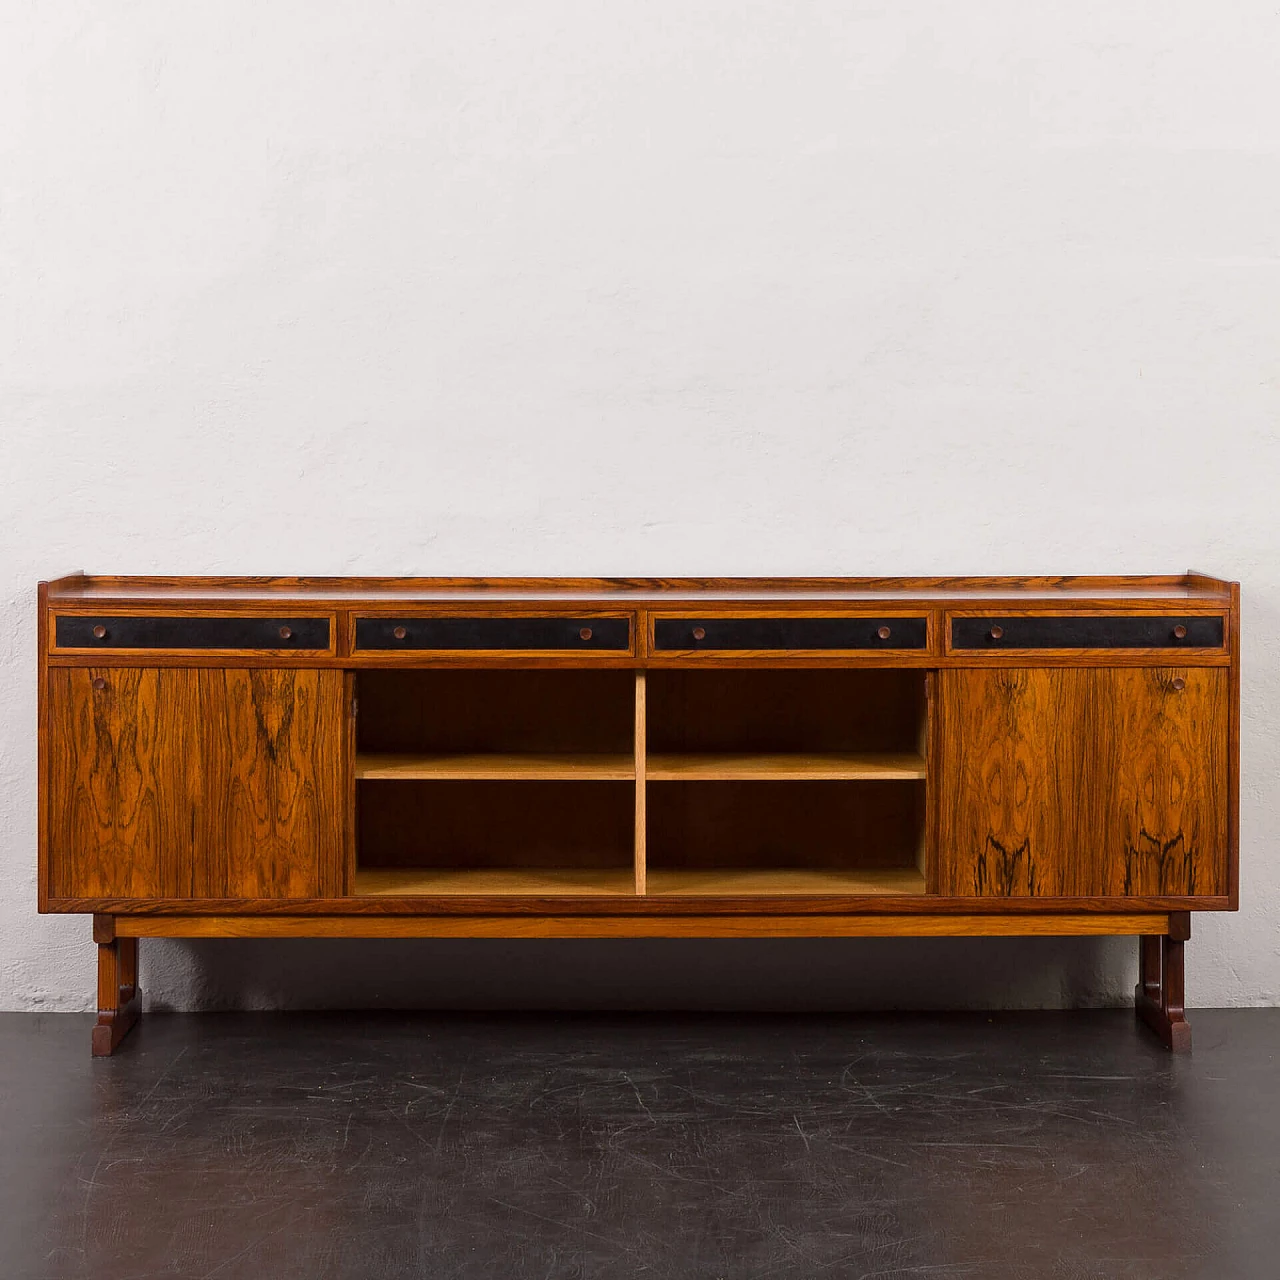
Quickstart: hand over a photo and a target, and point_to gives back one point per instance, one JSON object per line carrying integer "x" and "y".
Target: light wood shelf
{"x": 575, "y": 882}
{"x": 495, "y": 766}
{"x": 785, "y": 767}
{"x": 783, "y": 881}
{"x": 538, "y": 882}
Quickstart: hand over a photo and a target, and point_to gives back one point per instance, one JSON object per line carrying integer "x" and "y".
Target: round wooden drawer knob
{"x": 996, "y": 633}
{"x": 286, "y": 633}
{"x": 98, "y": 682}
{"x": 585, "y": 633}
{"x": 1179, "y": 632}
{"x": 1179, "y": 684}
{"x": 99, "y": 632}
{"x": 699, "y": 633}
{"x": 399, "y": 633}
{"x": 883, "y": 632}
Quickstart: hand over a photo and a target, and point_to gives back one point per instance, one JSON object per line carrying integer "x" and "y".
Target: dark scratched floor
{"x": 267, "y": 1147}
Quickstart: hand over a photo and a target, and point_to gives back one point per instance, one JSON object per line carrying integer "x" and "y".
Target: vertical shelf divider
{"x": 639, "y": 747}
{"x": 930, "y": 747}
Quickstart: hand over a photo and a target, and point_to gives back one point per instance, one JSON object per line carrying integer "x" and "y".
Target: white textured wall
{"x": 777, "y": 287}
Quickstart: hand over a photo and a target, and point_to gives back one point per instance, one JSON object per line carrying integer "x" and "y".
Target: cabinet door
{"x": 186, "y": 783}
{"x": 1083, "y": 782}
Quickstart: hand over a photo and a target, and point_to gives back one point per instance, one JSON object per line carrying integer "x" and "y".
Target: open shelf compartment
{"x": 468, "y": 782}
{"x": 850, "y": 745}
{"x": 438, "y": 724}
{"x": 785, "y": 725}
{"x": 749, "y": 838}
{"x": 707, "y": 783}
{"x": 528, "y": 838}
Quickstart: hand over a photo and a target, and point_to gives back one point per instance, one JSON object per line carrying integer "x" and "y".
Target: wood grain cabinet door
{"x": 1083, "y": 782}
{"x": 194, "y": 783}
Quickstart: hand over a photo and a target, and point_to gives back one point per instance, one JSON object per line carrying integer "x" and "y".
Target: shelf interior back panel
{"x": 472, "y": 824}
{"x": 470, "y": 712}
{"x": 815, "y": 826}
{"x": 780, "y": 711}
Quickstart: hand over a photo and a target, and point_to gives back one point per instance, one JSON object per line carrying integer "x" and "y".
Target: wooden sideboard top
{"x": 186, "y": 591}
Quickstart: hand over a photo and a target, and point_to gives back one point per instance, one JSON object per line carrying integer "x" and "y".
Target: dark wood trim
{"x": 1208, "y": 583}
{"x": 646, "y": 926}
{"x": 961, "y": 658}
{"x": 119, "y": 1001}
{"x": 743, "y": 660}
{"x": 1159, "y": 998}
{"x": 339, "y": 591}
{"x": 347, "y": 864}
{"x": 920, "y": 904}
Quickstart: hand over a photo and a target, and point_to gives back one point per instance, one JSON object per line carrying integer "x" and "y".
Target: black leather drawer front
{"x": 586, "y": 634}
{"x": 1081, "y": 632}
{"x": 91, "y": 632}
{"x": 790, "y": 633}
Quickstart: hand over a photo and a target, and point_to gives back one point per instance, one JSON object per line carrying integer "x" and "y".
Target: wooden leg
{"x": 118, "y": 1000}
{"x": 1161, "y": 990}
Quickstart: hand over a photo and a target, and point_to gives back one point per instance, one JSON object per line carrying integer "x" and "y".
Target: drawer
{"x": 573, "y": 635}
{"x": 94, "y": 631}
{"x": 724, "y": 634}
{"x": 1086, "y": 631}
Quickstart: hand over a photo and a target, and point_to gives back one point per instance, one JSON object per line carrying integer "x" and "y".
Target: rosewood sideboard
{"x": 605, "y": 758}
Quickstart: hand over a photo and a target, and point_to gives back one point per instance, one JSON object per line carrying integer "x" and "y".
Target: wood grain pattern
{"x": 1107, "y": 782}
{"x": 194, "y": 783}
{"x": 741, "y": 710}
{"x": 631, "y": 904}
{"x": 350, "y": 716}
{"x": 646, "y": 926}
